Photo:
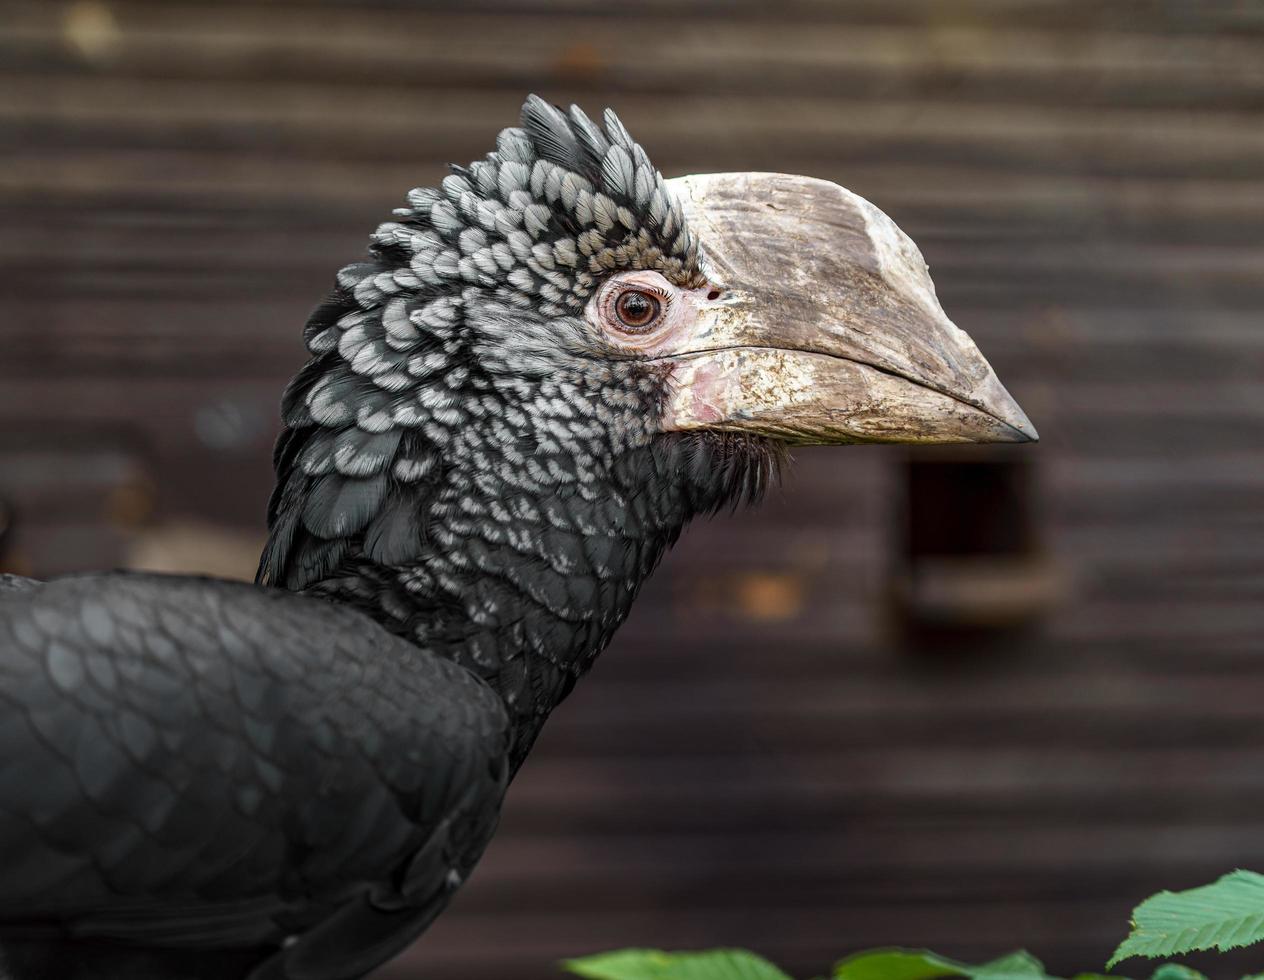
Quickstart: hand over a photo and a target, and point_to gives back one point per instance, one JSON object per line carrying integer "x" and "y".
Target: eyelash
{"x": 617, "y": 289}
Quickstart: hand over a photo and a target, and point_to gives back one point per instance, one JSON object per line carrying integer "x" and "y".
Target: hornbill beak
{"x": 823, "y": 326}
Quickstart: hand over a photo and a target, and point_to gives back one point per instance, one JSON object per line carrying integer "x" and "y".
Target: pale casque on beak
{"x": 823, "y": 325}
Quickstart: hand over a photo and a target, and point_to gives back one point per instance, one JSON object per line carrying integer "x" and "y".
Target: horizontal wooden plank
{"x": 465, "y": 119}
{"x": 800, "y": 865}
{"x": 907, "y": 697}
{"x": 1221, "y": 15}
{"x": 442, "y": 49}
{"x": 1141, "y": 17}
{"x": 929, "y": 774}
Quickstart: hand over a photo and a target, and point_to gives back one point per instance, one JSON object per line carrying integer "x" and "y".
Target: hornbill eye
{"x": 637, "y": 310}
{"x": 640, "y": 311}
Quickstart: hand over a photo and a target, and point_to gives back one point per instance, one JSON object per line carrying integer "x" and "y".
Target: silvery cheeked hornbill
{"x": 545, "y": 367}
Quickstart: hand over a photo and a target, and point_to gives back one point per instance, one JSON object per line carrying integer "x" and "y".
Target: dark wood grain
{"x": 756, "y": 761}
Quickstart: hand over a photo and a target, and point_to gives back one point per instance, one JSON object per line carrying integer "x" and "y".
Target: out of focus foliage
{"x": 1224, "y": 915}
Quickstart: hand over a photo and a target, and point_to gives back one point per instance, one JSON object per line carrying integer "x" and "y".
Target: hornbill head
{"x": 555, "y": 358}
{"x": 781, "y": 306}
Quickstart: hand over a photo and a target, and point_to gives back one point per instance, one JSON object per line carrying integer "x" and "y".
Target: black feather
{"x": 395, "y": 535}
{"x": 338, "y": 506}
{"x": 551, "y": 134}
{"x": 328, "y": 313}
{"x": 592, "y": 141}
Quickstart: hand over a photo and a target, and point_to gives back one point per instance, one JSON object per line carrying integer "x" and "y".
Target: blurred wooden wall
{"x": 754, "y": 762}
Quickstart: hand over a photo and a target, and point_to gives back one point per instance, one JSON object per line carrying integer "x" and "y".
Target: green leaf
{"x": 1223, "y": 915}
{"x": 1020, "y": 964}
{"x": 654, "y": 964}
{"x": 1176, "y": 971}
{"x": 922, "y": 964}
{"x": 897, "y": 964}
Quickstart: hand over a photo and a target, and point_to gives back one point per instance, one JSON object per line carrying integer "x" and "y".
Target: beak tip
{"x": 1021, "y": 428}
{"x": 1025, "y": 433}
{"x": 1012, "y": 423}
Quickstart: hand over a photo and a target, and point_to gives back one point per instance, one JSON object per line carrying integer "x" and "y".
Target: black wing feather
{"x": 191, "y": 762}
{"x": 16, "y": 583}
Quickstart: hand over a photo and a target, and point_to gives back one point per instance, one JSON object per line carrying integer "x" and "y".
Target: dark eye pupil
{"x": 636, "y": 309}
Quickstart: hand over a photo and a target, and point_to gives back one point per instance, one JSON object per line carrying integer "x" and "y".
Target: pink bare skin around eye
{"x": 680, "y": 314}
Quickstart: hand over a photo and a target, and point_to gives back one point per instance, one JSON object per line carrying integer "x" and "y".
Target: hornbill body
{"x": 542, "y": 371}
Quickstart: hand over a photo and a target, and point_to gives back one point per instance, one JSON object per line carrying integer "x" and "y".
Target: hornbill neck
{"x": 527, "y": 591}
